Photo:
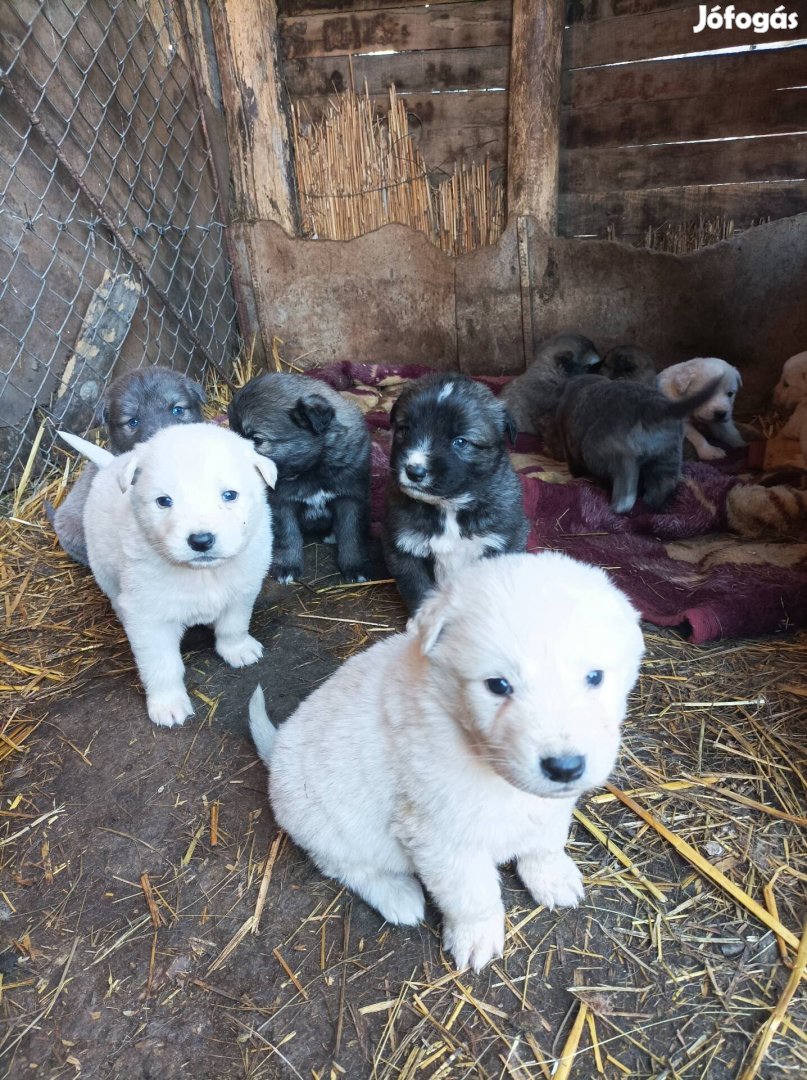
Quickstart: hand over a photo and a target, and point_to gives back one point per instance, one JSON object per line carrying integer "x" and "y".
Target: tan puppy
{"x": 439, "y": 754}
{"x": 178, "y": 533}
{"x": 715, "y": 416}
{"x": 792, "y": 386}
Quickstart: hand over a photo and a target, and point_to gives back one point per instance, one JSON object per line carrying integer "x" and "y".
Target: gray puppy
{"x": 532, "y": 398}
{"x": 134, "y": 407}
{"x": 628, "y": 362}
{"x": 626, "y": 433}
{"x": 321, "y": 447}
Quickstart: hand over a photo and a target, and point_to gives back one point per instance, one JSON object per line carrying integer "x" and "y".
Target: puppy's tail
{"x": 97, "y": 454}
{"x": 682, "y": 407}
{"x": 261, "y": 728}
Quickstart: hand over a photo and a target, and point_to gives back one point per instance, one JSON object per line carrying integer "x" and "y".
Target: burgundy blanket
{"x": 681, "y": 568}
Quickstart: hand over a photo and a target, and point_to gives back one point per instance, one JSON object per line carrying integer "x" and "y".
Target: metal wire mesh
{"x": 111, "y": 240}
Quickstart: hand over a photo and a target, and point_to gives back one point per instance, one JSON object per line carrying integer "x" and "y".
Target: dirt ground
{"x": 133, "y": 859}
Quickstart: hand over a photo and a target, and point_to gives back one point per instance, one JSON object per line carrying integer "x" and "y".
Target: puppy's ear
{"x": 739, "y": 379}
{"x": 266, "y": 467}
{"x": 681, "y": 382}
{"x": 194, "y": 390}
{"x": 313, "y": 413}
{"x": 430, "y": 619}
{"x": 127, "y": 474}
{"x": 564, "y": 360}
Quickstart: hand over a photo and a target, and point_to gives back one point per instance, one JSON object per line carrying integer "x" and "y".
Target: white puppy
{"x": 178, "y": 532}
{"x": 792, "y": 385}
{"x": 442, "y": 753}
{"x": 683, "y": 380}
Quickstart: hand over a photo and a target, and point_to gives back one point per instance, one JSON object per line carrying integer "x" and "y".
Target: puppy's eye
{"x": 165, "y": 501}
{"x": 595, "y": 677}
{"x": 229, "y": 496}
{"x": 731, "y": 393}
{"x": 459, "y": 443}
{"x": 133, "y": 423}
{"x": 178, "y": 410}
{"x": 785, "y": 384}
{"x": 499, "y": 687}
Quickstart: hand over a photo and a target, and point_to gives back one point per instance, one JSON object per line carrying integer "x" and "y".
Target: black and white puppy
{"x": 134, "y": 407}
{"x": 321, "y": 447}
{"x": 628, "y": 434}
{"x": 453, "y": 496}
{"x": 629, "y": 362}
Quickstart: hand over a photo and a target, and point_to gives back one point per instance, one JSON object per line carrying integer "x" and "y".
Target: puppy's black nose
{"x": 720, "y": 414}
{"x": 563, "y": 769}
{"x": 416, "y": 472}
{"x": 201, "y": 541}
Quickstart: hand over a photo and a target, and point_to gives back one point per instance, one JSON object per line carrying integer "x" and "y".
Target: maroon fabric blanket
{"x": 681, "y": 568}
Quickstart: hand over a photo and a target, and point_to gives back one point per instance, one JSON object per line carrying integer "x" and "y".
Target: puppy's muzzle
{"x": 719, "y": 415}
{"x": 563, "y": 770}
{"x": 201, "y": 541}
{"x": 415, "y": 473}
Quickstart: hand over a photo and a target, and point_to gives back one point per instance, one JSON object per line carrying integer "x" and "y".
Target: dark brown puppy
{"x": 532, "y": 398}
{"x": 627, "y": 434}
{"x": 320, "y": 444}
{"x": 134, "y": 407}
{"x": 628, "y": 362}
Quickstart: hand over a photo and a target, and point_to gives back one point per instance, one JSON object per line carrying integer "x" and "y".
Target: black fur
{"x": 320, "y": 443}
{"x": 629, "y": 362}
{"x": 471, "y": 487}
{"x": 626, "y": 433}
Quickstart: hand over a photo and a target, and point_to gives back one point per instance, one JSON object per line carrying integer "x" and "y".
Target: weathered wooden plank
{"x": 320, "y": 7}
{"x": 706, "y": 117}
{"x": 446, "y": 126}
{"x": 779, "y": 157}
{"x": 533, "y": 135}
{"x": 633, "y": 212}
{"x": 589, "y": 11}
{"x": 412, "y": 72}
{"x": 744, "y": 73}
{"x": 443, "y": 26}
{"x": 245, "y": 33}
{"x": 665, "y": 33}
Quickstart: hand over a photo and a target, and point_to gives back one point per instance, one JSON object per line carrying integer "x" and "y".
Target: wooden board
{"x": 665, "y": 33}
{"x": 446, "y": 125}
{"x": 589, "y": 11}
{"x": 411, "y": 72}
{"x": 780, "y": 157}
{"x": 318, "y": 7}
{"x": 690, "y": 77}
{"x": 632, "y": 212}
{"x": 444, "y": 26}
{"x": 705, "y": 117}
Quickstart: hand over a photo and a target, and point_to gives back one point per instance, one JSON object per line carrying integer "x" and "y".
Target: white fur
{"x": 451, "y": 551}
{"x": 140, "y": 555}
{"x": 685, "y": 379}
{"x": 792, "y": 385}
{"x": 405, "y": 766}
{"x": 96, "y": 454}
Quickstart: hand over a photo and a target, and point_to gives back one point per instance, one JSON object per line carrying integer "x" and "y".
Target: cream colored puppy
{"x": 178, "y": 532}
{"x": 796, "y": 427}
{"x": 441, "y": 753}
{"x": 792, "y": 385}
{"x": 715, "y": 417}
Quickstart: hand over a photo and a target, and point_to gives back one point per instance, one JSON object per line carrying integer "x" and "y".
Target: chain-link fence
{"x": 111, "y": 241}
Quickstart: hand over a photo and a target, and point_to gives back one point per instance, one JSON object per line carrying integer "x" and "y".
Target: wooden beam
{"x": 245, "y": 35}
{"x": 534, "y": 125}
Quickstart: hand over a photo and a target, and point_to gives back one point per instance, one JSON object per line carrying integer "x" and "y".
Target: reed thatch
{"x": 358, "y": 170}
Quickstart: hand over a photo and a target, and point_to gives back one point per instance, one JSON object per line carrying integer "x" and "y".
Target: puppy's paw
{"x": 286, "y": 573}
{"x": 354, "y": 574}
{"x": 711, "y": 453}
{"x": 240, "y": 653}
{"x": 329, "y": 539}
{"x": 475, "y": 944}
{"x": 553, "y": 880}
{"x": 399, "y": 899}
{"x": 169, "y": 710}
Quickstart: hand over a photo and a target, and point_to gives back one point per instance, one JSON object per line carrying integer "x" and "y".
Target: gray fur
{"x": 134, "y": 407}
{"x": 532, "y": 398}
{"x": 627, "y": 434}
{"x": 320, "y": 444}
{"x": 629, "y": 362}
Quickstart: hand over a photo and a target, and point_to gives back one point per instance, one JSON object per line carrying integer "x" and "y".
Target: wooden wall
{"x": 636, "y": 127}
{"x": 441, "y": 48}
{"x": 636, "y": 148}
